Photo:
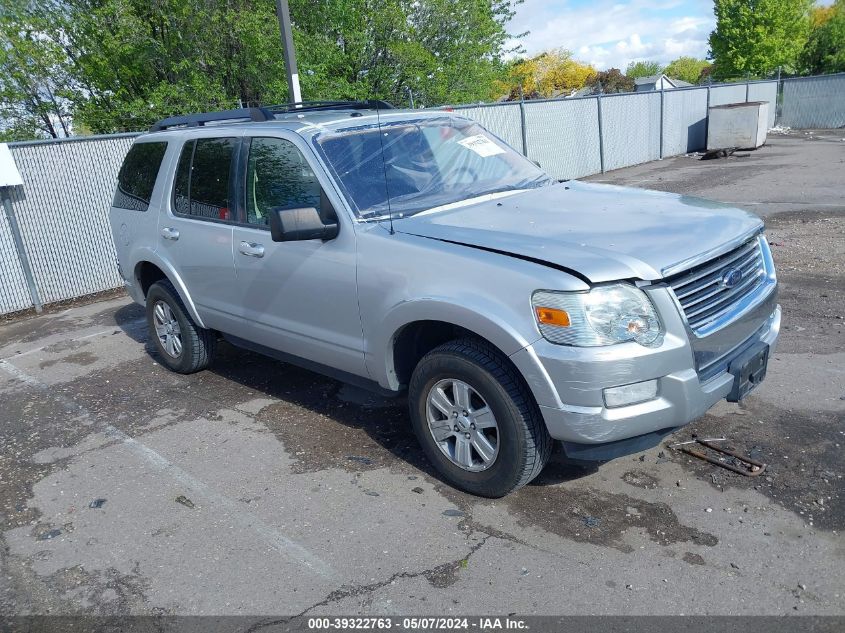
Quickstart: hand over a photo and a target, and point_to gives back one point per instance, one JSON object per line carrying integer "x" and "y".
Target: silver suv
{"x": 413, "y": 251}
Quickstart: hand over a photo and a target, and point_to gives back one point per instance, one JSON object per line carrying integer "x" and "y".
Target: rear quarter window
{"x": 137, "y": 176}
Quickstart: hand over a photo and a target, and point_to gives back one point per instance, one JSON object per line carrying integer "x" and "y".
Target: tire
{"x": 196, "y": 345}
{"x": 523, "y": 444}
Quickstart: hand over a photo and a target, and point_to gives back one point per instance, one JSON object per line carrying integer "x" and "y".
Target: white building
{"x": 658, "y": 82}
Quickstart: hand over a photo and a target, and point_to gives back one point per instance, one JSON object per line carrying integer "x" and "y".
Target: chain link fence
{"x": 576, "y": 137}
{"x": 61, "y": 211}
{"x": 814, "y": 102}
{"x": 563, "y": 135}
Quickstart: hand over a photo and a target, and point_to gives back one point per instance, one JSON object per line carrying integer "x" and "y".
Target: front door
{"x": 297, "y": 297}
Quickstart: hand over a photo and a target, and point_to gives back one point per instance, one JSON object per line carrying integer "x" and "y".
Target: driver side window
{"x": 278, "y": 176}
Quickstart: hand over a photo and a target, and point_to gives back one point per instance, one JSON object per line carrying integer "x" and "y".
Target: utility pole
{"x": 283, "y": 13}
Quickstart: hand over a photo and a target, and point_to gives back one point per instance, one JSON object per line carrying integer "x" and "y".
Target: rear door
{"x": 297, "y": 297}
{"x": 195, "y": 229}
{"x": 138, "y": 188}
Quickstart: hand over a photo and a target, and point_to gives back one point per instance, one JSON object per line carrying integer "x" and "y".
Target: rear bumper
{"x": 568, "y": 384}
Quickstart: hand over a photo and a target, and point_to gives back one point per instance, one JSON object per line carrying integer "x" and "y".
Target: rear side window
{"x": 137, "y": 176}
{"x": 203, "y": 179}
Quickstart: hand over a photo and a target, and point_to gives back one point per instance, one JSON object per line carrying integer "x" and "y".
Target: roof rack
{"x": 266, "y": 113}
{"x": 195, "y": 120}
{"x": 304, "y": 106}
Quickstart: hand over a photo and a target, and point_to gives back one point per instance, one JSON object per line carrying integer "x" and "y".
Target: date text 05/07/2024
{"x": 417, "y": 623}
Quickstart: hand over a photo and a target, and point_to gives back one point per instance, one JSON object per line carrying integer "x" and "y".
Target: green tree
{"x": 34, "y": 84}
{"x": 825, "y": 49}
{"x": 755, "y": 37}
{"x": 131, "y": 62}
{"x": 687, "y": 69}
{"x": 643, "y": 68}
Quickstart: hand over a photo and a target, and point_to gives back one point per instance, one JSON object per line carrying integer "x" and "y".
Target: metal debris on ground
{"x": 591, "y": 521}
{"x": 46, "y": 536}
{"x": 737, "y": 463}
{"x": 185, "y": 501}
{"x": 97, "y": 503}
{"x": 722, "y": 153}
{"x": 718, "y": 153}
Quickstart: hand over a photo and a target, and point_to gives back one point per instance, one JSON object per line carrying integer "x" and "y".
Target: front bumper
{"x": 568, "y": 382}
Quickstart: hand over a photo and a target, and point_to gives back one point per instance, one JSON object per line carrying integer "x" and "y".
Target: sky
{"x": 611, "y": 33}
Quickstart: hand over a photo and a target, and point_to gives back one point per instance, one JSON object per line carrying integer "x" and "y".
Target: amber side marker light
{"x": 553, "y": 316}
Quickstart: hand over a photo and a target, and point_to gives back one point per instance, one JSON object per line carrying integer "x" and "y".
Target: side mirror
{"x": 288, "y": 225}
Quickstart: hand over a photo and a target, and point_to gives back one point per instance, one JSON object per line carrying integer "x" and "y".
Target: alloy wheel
{"x": 462, "y": 424}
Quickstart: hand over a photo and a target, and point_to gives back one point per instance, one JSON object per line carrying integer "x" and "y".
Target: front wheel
{"x": 476, "y": 419}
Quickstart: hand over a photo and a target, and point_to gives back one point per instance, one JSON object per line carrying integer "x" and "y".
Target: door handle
{"x": 252, "y": 249}
{"x": 170, "y": 234}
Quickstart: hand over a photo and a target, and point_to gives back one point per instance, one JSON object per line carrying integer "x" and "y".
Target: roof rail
{"x": 195, "y": 120}
{"x": 304, "y": 106}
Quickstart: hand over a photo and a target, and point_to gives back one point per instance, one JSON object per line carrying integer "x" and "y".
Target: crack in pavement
{"x": 445, "y": 574}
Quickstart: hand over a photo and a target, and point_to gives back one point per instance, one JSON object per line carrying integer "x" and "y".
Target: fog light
{"x": 630, "y": 394}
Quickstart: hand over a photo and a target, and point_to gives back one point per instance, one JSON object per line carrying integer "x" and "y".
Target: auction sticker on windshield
{"x": 481, "y": 145}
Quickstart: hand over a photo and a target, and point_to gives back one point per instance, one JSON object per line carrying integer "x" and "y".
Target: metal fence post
{"x": 21, "y": 250}
{"x": 522, "y": 122}
{"x": 707, "y": 118}
{"x": 601, "y": 133}
{"x": 662, "y": 97}
{"x": 747, "y": 86}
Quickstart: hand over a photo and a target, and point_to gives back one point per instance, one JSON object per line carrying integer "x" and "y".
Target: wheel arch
{"x": 150, "y": 268}
{"x": 417, "y": 327}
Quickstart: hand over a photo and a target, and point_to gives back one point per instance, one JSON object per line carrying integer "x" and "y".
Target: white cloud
{"x": 607, "y": 33}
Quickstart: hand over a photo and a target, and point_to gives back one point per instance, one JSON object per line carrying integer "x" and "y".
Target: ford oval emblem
{"x": 731, "y": 277}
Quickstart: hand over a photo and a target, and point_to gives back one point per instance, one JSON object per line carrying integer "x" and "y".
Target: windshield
{"x": 427, "y": 163}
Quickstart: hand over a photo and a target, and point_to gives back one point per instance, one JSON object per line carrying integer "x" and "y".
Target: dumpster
{"x": 737, "y": 125}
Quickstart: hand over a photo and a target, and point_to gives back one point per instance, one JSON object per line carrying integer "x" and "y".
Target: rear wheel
{"x": 184, "y": 347}
{"x": 476, "y": 419}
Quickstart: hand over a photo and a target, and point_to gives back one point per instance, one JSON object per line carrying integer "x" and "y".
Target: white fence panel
{"x": 684, "y": 121}
{"x": 733, "y": 93}
{"x": 630, "y": 128}
{"x": 814, "y": 102}
{"x": 14, "y": 294}
{"x": 62, "y": 209}
{"x": 563, "y": 136}
{"x": 503, "y": 120}
{"x": 768, "y": 92}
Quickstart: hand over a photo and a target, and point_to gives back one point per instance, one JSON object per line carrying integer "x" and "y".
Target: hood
{"x": 603, "y": 232}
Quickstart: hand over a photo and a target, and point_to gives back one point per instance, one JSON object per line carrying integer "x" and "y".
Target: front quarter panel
{"x": 404, "y": 278}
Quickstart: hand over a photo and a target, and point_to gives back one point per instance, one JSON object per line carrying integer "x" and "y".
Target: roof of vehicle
{"x": 306, "y": 122}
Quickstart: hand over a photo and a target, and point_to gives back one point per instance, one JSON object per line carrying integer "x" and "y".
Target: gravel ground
{"x": 257, "y": 488}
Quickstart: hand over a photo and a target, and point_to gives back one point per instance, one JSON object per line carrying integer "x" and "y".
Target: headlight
{"x": 603, "y": 316}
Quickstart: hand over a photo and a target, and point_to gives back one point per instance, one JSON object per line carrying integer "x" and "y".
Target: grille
{"x": 703, "y": 293}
